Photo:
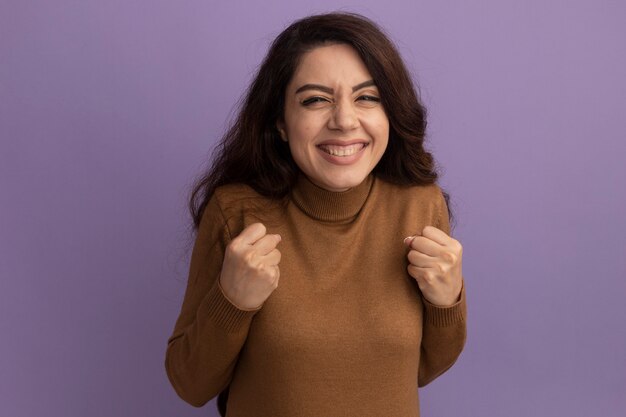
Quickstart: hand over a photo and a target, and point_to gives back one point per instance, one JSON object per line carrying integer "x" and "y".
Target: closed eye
{"x": 313, "y": 100}
{"x": 369, "y": 98}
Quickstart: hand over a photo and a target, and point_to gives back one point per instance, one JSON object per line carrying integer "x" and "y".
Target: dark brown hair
{"x": 251, "y": 151}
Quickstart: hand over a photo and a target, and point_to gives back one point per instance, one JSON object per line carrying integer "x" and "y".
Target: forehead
{"x": 331, "y": 64}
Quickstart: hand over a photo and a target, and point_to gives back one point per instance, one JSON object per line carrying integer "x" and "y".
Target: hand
{"x": 250, "y": 270}
{"x": 435, "y": 263}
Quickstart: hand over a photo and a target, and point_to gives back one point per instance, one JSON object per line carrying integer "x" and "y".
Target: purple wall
{"x": 108, "y": 110}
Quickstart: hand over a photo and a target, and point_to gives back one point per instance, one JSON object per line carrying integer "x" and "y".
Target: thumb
{"x": 252, "y": 233}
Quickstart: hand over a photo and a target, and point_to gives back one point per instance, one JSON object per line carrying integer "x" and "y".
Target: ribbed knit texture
{"x": 223, "y": 311}
{"x": 330, "y": 207}
{"x": 346, "y": 333}
{"x": 444, "y": 316}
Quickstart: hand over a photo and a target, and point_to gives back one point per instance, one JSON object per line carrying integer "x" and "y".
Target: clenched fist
{"x": 435, "y": 263}
{"x": 250, "y": 270}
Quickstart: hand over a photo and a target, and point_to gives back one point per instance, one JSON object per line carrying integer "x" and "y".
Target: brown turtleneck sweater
{"x": 346, "y": 333}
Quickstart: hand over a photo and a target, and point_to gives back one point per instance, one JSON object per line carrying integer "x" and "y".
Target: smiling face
{"x": 334, "y": 122}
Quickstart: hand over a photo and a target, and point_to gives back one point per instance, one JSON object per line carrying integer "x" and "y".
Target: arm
{"x": 210, "y": 331}
{"x": 444, "y": 328}
{"x": 443, "y": 338}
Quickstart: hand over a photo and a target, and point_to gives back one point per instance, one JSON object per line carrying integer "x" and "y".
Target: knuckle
{"x": 266, "y": 272}
{"x": 450, "y": 257}
{"x": 232, "y": 248}
{"x": 276, "y": 273}
{"x": 414, "y": 271}
{"x": 409, "y": 257}
{"x": 411, "y": 270}
{"x": 248, "y": 257}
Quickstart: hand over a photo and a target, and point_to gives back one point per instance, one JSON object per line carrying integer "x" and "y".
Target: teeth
{"x": 336, "y": 150}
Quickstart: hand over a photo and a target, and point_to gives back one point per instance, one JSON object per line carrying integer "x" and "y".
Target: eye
{"x": 312, "y": 100}
{"x": 369, "y": 98}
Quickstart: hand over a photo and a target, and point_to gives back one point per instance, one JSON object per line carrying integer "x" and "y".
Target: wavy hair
{"x": 251, "y": 151}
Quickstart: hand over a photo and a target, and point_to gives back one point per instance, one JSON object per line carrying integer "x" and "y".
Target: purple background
{"x": 108, "y": 109}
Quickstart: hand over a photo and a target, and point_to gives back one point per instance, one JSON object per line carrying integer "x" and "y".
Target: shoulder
{"x": 225, "y": 209}
{"x": 225, "y": 202}
{"x": 240, "y": 205}
{"x": 405, "y": 203}
{"x": 236, "y": 197}
{"x": 431, "y": 193}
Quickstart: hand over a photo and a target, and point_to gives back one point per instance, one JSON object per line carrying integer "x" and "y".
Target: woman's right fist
{"x": 250, "y": 270}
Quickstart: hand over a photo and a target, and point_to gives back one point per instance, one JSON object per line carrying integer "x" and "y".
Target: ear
{"x": 280, "y": 125}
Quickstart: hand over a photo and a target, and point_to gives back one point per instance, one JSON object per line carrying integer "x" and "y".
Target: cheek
{"x": 304, "y": 129}
{"x": 384, "y": 130}
{"x": 299, "y": 148}
{"x": 378, "y": 128}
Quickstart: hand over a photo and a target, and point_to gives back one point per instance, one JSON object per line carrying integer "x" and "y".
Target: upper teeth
{"x": 337, "y": 150}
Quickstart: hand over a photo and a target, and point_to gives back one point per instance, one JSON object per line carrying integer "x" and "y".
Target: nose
{"x": 344, "y": 116}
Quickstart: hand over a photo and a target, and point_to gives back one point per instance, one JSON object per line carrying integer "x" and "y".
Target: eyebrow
{"x": 329, "y": 90}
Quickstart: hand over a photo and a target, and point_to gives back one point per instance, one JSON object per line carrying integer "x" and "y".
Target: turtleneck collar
{"x": 327, "y": 205}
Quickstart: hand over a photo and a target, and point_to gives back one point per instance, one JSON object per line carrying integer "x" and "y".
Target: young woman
{"x": 323, "y": 280}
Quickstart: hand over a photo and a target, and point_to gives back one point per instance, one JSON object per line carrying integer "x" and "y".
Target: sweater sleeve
{"x": 210, "y": 331}
{"x": 444, "y": 328}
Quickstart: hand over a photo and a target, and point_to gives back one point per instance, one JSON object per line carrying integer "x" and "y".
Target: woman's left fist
{"x": 435, "y": 263}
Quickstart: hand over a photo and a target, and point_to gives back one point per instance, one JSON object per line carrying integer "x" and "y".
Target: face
{"x": 334, "y": 122}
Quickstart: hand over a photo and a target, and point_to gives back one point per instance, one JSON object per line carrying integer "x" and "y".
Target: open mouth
{"x": 340, "y": 150}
